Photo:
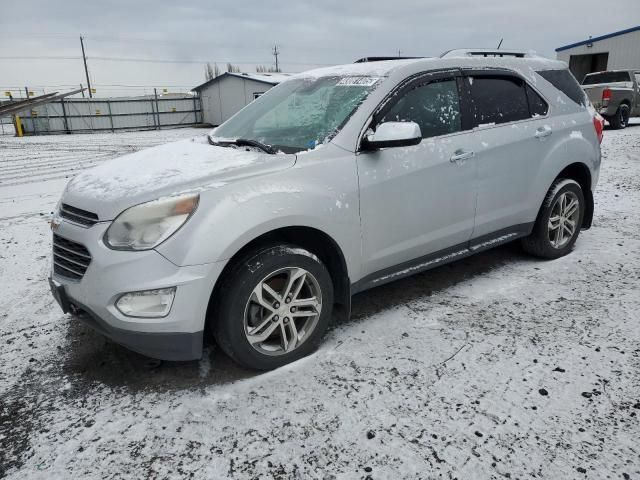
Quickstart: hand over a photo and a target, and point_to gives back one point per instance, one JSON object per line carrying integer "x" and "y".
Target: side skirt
{"x": 442, "y": 257}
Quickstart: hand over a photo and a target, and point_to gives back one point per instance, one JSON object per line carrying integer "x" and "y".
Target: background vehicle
{"x": 615, "y": 94}
{"x": 333, "y": 182}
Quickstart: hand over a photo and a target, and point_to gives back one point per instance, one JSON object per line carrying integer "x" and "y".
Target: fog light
{"x": 148, "y": 303}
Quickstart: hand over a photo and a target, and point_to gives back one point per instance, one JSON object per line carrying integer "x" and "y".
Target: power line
{"x": 149, "y": 60}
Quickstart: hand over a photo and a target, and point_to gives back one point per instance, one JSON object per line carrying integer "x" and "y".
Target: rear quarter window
{"x": 564, "y": 81}
{"x": 537, "y": 106}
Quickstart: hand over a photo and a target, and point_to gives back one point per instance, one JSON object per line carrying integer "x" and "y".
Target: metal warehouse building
{"x": 614, "y": 51}
{"x": 226, "y": 94}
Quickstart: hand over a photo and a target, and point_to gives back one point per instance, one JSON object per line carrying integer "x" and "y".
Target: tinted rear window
{"x": 606, "y": 77}
{"x": 566, "y": 83}
{"x": 497, "y": 100}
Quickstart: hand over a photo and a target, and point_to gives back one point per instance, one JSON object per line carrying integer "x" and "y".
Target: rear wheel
{"x": 559, "y": 221}
{"x": 274, "y": 307}
{"x": 621, "y": 117}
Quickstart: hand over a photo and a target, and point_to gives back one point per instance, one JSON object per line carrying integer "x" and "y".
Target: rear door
{"x": 511, "y": 138}
{"x": 421, "y": 199}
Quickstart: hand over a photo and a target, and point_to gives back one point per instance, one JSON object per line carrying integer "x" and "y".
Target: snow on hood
{"x": 182, "y": 166}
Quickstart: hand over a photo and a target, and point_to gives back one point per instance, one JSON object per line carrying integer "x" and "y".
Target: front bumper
{"x": 177, "y": 336}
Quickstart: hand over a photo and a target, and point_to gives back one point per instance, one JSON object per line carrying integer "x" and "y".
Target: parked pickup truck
{"x": 615, "y": 94}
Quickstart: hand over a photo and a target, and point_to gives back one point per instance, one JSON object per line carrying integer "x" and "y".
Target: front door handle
{"x": 459, "y": 156}
{"x": 543, "y": 132}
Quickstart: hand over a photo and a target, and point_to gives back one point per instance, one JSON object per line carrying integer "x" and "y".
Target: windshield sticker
{"x": 357, "y": 81}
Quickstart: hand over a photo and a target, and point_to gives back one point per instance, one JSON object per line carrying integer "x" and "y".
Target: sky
{"x": 131, "y": 45}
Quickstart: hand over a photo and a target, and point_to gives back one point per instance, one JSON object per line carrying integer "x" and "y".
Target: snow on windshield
{"x": 301, "y": 113}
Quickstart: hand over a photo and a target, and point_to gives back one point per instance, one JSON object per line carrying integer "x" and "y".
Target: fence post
{"x": 153, "y": 114}
{"x": 195, "y": 109}
{"x": 113, "y": 130}
{"x": 64, "y": 116}
{"x": 155, "y": 93}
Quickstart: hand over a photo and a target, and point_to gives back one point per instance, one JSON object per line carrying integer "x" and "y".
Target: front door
{"x": 418, "y": 200}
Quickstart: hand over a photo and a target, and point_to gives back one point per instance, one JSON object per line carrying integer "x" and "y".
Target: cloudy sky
{"x": 132, "y": 43}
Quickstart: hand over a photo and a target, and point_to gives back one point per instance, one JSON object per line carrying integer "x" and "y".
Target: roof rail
{"x": 382, "y": 59}
{"x": 487, "y": 52}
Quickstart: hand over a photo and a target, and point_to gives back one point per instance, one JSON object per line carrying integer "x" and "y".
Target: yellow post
{"x": 18, "y": 125}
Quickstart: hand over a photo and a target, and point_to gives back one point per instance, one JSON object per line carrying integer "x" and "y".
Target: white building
{"x": 226, "y": 94}
{"x": 614, "y": 51}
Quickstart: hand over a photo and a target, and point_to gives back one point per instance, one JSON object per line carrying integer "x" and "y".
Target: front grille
{"x": 70, "y": 259}
{"x": 77, "y": 215}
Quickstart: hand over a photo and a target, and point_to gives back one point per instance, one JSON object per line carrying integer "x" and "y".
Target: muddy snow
{"x": 496, "y": 366}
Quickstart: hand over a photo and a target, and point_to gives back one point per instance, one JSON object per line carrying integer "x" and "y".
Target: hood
{"x": 187, "y": 165}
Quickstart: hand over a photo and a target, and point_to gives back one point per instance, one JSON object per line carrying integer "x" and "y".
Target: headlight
{"x": 147, "y": 225}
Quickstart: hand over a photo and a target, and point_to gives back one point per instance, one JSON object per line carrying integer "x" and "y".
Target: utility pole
{"x": 399, "y": 53}
{"x": 276, "y": 52}
{"x": 500, "y": 44}
{"x": 86, "y": 70}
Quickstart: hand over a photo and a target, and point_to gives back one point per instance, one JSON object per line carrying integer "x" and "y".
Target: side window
{"x": 537, "y": 106}
{"x": 434, "y": 106}
{"x": 496, "y": 100}
{"x": 638, "y": 79}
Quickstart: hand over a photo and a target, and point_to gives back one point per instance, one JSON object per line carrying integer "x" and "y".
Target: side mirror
{"x": 393, "y": 134}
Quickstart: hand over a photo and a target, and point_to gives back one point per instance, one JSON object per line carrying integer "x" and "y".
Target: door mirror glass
{"x": 393, "y": 134}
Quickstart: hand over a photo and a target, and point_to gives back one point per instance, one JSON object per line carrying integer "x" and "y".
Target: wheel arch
{"x": 580, "y": 172}
{"x": 312, "y": 239}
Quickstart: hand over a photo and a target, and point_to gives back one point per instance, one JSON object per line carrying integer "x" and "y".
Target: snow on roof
{"x": 368, "y": 69}
{"x": 270, "y": 78}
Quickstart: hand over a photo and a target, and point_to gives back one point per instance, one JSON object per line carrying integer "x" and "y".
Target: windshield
{"x": 298, "y": 114}
{"x": 606, "y": 77}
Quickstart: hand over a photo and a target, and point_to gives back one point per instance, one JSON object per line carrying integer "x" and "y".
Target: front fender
{"x": 319, "y": 192}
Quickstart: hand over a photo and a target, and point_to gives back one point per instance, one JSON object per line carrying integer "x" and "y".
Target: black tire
{"x": 621, "y": 118}
{"x": 228, "y": 324}
{"x": 539, "y": 242}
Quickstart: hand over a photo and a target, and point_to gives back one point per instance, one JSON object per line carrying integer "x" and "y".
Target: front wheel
{"x": 274, "y": 307}
{"x": 559, "y": 221}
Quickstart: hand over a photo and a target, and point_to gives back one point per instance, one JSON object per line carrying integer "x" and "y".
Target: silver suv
{"x": 335, "y": 181}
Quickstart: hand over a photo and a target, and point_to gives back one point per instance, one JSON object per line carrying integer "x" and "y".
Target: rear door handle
{"x": 459, "y": 156}
{"x": 543, "y": 132}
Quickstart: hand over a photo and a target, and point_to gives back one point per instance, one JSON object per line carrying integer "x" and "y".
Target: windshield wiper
{"x": 243, "y": 142}
{"x": 255, "y": 143}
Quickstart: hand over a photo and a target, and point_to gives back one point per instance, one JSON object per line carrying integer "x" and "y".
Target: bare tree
{"x": 233, "y": 68}
{"x": 208, "y": 72}
{"x": 211, "y": 72}
{"x": 266, "y": 69}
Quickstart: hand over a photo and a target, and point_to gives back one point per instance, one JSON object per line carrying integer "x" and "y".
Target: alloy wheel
{"x": 563, "y": 221}
{"x": 282, "y": 311}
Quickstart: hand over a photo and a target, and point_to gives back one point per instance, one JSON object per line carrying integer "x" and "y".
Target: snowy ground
{"x": 498, "y": 366}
